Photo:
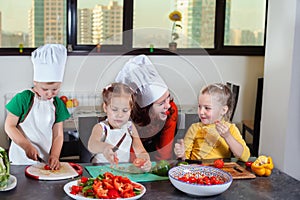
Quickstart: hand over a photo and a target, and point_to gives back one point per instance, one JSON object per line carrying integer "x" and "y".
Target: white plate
{"x": 12, "y": 182}
{"x": 67, "y": 189}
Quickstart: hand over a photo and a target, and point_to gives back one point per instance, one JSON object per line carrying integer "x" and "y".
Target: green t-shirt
{"x": 21, "y": 103}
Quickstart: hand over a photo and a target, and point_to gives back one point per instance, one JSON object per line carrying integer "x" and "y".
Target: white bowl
{"x": 199, "y": 189}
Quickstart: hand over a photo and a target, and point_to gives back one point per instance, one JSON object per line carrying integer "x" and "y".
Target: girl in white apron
{"x": 111, "y": 141}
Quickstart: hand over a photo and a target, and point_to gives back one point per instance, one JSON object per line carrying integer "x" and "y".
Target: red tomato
{"x": 138, "y": 162}
{"x": 192, "y": 179}
{"x": 248, "y": 164}
{"x": 64, "y": 99}
{"x": 47, "y": 167}
{"x": 219, "y": 163}
{"x": 213, "y": 180}
{"x": 183, "y": 178}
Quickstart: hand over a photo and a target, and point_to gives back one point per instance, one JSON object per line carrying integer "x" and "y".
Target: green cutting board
{"x": 94, "y": 171}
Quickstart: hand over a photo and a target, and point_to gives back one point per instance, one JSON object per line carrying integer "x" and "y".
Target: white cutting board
{"x": 67, "y": 170}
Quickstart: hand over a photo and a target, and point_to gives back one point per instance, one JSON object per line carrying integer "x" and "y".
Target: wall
{"x": 184, "y": 75}
{"x": 280, "y": 126}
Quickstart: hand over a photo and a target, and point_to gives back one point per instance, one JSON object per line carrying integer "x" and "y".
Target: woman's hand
{"x": 179, "y": 149}
{"x": 222, "y": 129}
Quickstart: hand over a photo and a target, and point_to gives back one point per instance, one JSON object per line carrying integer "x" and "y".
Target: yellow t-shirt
{"x": 204, "y": 142}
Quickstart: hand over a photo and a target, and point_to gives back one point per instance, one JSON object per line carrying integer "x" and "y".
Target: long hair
{"x": 140, "y": 116}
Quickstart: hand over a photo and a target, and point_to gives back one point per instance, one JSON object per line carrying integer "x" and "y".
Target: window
{"x": 221, "y": 27}
{"x": 237, "y": 32}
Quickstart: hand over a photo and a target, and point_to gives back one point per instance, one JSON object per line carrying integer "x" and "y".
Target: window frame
{"x": 126, "y": 47}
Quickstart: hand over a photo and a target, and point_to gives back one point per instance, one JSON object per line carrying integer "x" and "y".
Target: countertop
{"x": 278, "y": 186}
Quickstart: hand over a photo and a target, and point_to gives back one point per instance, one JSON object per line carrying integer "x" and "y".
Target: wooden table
{"x": 278, "y": 186}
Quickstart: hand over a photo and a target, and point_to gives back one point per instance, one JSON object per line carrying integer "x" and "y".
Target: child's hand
{"x": 110, "y": 156}
{"x": 31, "y": 152}
{"x": 53, "y": 162}
{"x": 179, "y": 149}
{"x": 146, "y": 167}
{"x": 222, "y": 129}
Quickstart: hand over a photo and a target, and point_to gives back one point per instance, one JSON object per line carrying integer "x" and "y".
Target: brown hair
{"x": 140, "y": 116}
{"x": 116, "y": 90}
{"x": 222, "y": 94}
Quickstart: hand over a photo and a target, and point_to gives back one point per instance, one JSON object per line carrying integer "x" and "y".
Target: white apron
{"x": 37, "y": 127}
{"x": 113, "y": 137}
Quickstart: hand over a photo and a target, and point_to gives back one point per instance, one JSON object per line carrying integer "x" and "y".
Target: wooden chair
{"x": 235, "y": 89}
{"x": 253, "y": 126}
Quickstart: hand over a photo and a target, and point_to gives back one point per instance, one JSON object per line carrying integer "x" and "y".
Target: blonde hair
{"x": 222, "y": 94}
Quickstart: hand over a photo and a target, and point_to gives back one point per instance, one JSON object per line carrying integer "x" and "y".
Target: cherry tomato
{"x": 192, "y": 179}
{"x": 219, "y": 163}
{"x": 213, "y": 180}
{"x": 248, "y": 164}
{"x": 138, "y": 162}
{"x": 47, "y": 167}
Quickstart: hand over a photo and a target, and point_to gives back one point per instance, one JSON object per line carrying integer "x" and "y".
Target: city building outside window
{"x": 134, "y": 26}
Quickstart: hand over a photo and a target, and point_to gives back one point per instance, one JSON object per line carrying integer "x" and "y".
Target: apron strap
{"x": 30, "y": 106}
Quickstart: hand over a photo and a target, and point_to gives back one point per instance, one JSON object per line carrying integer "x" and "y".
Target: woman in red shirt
{"x": 154, "y": 113}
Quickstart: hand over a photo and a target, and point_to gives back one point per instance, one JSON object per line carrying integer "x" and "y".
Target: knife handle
{"x": 193, "y": 161}
{"x": 114, "y": 149}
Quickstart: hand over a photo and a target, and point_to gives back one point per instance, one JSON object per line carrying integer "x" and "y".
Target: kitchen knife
{"x": 119, "y": 143}
{"x": 193, "y": 161}
{"x": 237, "y": 169}
{"x": 41, "y": 160}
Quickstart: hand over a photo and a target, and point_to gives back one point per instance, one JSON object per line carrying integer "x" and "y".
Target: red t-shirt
{"x": 160, "y": 146}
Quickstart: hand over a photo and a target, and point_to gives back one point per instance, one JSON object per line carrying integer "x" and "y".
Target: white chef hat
{"x": 49, "y": 63}
{"x": 140, "y": 74}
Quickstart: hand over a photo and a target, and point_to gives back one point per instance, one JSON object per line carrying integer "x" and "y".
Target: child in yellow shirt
{"x": 214, "y": 137}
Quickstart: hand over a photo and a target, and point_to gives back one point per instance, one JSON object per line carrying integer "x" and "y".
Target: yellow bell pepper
{"x": 262, "y": 166}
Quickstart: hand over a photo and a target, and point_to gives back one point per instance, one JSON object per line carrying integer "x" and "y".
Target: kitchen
{"x": 278, "y": 66}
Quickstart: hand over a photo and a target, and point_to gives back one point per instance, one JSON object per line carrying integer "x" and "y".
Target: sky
{"x": 21, "y": 12}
